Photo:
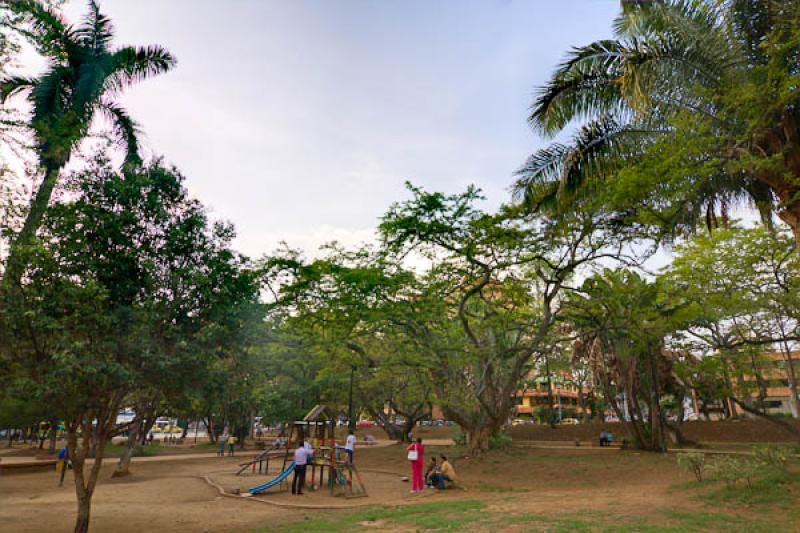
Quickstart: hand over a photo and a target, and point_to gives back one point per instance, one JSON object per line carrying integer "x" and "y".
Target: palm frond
{"x": 44, "y": 27}
{"x": 559, "y": 173}
{"x": 15, "y": 84}
{"x": 125, "y": 130}
{"x": 51, "y": 95}
{"x": 96, "y": 32}
{"x": 584, "y": 86}
{"x": 132, "y": 64}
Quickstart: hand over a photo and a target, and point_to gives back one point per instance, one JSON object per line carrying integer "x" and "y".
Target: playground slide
{"x": 272, "y": 482}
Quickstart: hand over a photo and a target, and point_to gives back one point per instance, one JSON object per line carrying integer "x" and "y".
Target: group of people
{"x": 304, "y": 454}
{"x": 437, "y": 475}
{"x": 230, "y": 441}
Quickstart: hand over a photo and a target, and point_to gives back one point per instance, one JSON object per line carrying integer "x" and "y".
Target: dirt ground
{"x": 170, "y": 495}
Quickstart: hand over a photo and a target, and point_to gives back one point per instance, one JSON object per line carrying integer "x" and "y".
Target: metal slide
{"x": 272, "y": 482}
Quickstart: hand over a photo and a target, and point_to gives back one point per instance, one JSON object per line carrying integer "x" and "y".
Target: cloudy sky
{"x": 300, "y": 120}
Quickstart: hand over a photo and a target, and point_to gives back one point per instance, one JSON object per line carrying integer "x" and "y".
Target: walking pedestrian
{"x": 223, "y": 440}
{"x": 416, "y": 451}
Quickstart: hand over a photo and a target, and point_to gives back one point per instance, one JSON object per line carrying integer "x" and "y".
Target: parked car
{"x": 569, "y": 421}
{"x": 365, "y": 423}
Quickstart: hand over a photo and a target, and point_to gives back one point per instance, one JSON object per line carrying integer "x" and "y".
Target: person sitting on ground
{"x": 433, "y": 468}
{"x": 446, "y": 473}
{"x": 369, "y": 440}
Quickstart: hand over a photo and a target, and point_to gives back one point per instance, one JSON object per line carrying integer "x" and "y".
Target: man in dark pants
{"x": 301, "y": 457}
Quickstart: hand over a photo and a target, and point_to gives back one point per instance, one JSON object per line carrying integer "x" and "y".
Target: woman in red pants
{"x": 415, "y": 456}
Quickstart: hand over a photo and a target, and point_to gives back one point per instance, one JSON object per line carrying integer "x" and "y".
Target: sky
{"x": 301, "y": 120}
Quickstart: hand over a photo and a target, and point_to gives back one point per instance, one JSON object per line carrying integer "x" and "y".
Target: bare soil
{"x": 170, "y": 495}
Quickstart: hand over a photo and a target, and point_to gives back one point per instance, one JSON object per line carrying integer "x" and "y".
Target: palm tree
{"x": 715, "y": 79}
{"x": 84, "y": 76}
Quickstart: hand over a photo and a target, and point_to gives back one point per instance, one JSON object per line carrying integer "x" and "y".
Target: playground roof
{"x": 320, "y": 413}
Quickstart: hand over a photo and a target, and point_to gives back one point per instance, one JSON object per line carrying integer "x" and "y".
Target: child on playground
{"x": 416, "y": 453}
{"x": 349, "y": 446}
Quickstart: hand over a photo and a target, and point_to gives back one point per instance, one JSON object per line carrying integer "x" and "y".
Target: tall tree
{"x": 487, "y": 306}
{"x": 129, "y": 286}
{"x": 743, "y": 284}
{"x": 691, "y": 107}
{"x": 85, "y": 74}
{"x": 621, "y": 324}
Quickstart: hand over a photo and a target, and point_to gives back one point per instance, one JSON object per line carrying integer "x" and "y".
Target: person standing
{"x": 301, "y": 456}
{"x": 223, "y": 440}
{"x": 416, "y": 452}
{"x": 231, "y": 445}
{"x": 350, "y": 446}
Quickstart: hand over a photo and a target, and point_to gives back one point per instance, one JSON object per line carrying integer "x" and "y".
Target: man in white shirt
{"x": 350, "y": 445}
{"x": 301, "y": 457}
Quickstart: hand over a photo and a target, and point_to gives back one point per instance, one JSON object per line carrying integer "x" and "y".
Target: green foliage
{"x": 732, "y": 470}
{"x": 770, "y": 457}
{"x": 675, "y": 111}
{"x": 499, "y": 440}
{"x": 693, "y": 462}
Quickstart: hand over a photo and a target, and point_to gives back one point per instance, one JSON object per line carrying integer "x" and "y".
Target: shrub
{"x": 771, "y": 457}
{"x": 499, "y": 440}
{"x": 459, "y": 438}
{"x": 731, "y": 470}
{"x": 694, "y": 463}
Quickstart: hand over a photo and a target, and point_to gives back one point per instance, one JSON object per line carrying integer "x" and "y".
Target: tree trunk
{"x": 477, "y": 440}
{"x": 123, "y": 466}
{"x": 16, "y": 261}
{"x": 656, "y": 416}
{"x": 794, "y": 405}
{"x": 51, "y": 447}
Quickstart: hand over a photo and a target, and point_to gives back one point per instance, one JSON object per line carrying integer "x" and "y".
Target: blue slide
{"x": 272, "y": 482}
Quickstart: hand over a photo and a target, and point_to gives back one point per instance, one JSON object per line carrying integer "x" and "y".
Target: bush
{"x": 731, "y": 470}
{"x": 459, "y": 438}
{"x": 694, "y": 463}
{"x": 499, "y": 440}
{"x": 771, "y": 457}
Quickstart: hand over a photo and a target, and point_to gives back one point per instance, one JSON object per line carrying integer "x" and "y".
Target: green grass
{"x": 437, "y": 516}
{"x": 150, "y": 450}
{"x": 778, "y": 488}
{"x": 471, "y": 515}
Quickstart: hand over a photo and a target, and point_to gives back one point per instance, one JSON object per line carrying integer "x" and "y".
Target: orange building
{"x": 535, "y": 395}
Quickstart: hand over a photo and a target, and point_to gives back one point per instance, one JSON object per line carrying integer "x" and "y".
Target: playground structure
{"x": 317, "y": 429}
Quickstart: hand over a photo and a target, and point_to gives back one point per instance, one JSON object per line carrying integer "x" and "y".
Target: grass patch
{"x": 115, "y": 450}
{"x": 779, "y": 488}
{"x": 453, "y": 516}
{"x": 465, "y": 515}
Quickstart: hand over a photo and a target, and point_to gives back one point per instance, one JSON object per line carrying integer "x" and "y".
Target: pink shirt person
{"x": 417, "y": 478}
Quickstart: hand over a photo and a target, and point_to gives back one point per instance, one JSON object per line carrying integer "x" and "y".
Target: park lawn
{"x": 523, "y": 490}
{"x": 475, "y": 515}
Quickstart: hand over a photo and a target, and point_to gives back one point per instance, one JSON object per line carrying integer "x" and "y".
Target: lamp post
{"x": 350, "y": 421}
